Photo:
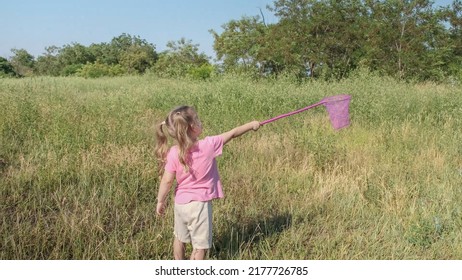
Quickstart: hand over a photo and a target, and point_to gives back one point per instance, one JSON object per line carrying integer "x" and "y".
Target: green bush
{"x": 6, "y": 69}
{"x": 97, "y": 69}
{"x": 202, "y": 72}
{"x": 70, "y": 70}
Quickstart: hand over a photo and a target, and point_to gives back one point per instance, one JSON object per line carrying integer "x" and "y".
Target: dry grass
{"x": 78, "y": 177}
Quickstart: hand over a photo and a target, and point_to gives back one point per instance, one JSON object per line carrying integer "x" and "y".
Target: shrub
{"x": 6, "y": 69}
{"x": 97, "y": 69}
{"x": 70, "y": 70}
{"x": 202, "y": 72}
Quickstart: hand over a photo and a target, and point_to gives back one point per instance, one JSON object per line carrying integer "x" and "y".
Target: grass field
{"x": 78, "y": 172}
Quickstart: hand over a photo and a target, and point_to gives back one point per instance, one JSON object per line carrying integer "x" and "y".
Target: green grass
{"x": 78, "y": 172}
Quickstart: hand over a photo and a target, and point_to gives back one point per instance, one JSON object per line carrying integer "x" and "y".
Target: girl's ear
{"x": 195, "y": 128}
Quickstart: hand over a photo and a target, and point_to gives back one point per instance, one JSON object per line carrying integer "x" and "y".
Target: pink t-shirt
{"x": 202, "y": 182}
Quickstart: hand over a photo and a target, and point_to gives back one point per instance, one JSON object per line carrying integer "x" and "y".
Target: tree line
{"x": 125, "y": 54}
{"x": 407, "y": 39}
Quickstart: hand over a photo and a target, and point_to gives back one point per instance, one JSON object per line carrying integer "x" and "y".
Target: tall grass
{"x": 78, "y": 177}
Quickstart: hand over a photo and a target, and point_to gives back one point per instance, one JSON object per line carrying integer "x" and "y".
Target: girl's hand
{"x": 160, "y": 209}
{"x": 255, "y": 125}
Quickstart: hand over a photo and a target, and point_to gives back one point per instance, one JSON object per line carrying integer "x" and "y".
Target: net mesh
{"x": 338, "y": 108}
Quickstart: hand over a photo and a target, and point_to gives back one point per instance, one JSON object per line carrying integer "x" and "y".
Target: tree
{"x": 331, "y": 38}
{"x": 403, "y": 37}
{"x": 179, "y": 58}
{"x": 319, "y": 37}
{"x": 138, "y": 58}
{"x": 455, "y": 19}
{"x": 103, "y": 53}
{"x": 48, "y": 64}
{"x": 6, "y": 69}
{"x": 292, "y": 39}
{"x": 75, "y": 53}
{"x": 131, "y": 53}
{"x": 453, "y": 15}
{"x": 22, "y": 62}
{"x": 72, "y": 57}
{"x": 239, "y": 44}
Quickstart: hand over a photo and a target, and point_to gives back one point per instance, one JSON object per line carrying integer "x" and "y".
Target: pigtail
{"x": 161, "y": 148}
{"x": 179, "y": 124}
{"x": 182, "y": 129}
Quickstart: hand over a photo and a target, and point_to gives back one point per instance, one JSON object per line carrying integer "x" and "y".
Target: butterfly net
{"x": 338, "y": 108}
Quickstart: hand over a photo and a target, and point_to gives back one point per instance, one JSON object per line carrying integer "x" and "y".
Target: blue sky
{"x": 34, "y": 24}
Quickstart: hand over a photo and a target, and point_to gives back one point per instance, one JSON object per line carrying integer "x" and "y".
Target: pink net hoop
{"x": 338, "y": 108}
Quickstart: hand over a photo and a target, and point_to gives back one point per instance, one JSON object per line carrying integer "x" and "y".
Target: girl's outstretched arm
{"x": 165, "y": 184}
{"x": 238, "y": 131}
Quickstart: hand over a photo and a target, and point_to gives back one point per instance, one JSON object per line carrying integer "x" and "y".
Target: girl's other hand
{"x": 160, "y": 209}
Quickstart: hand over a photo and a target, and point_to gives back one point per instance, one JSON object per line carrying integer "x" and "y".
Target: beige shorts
{"x": 193, "y": 224}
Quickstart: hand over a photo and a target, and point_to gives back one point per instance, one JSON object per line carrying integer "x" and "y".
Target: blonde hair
{"x": 179, "y": 124}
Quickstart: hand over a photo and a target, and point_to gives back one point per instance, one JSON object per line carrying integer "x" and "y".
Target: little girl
{"x": 192, "y": 163}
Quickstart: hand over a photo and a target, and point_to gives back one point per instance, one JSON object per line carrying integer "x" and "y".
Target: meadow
{"x": 78, "y": 173}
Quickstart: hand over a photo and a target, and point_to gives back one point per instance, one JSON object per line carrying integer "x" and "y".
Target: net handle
{"x": 291, "y": 113}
